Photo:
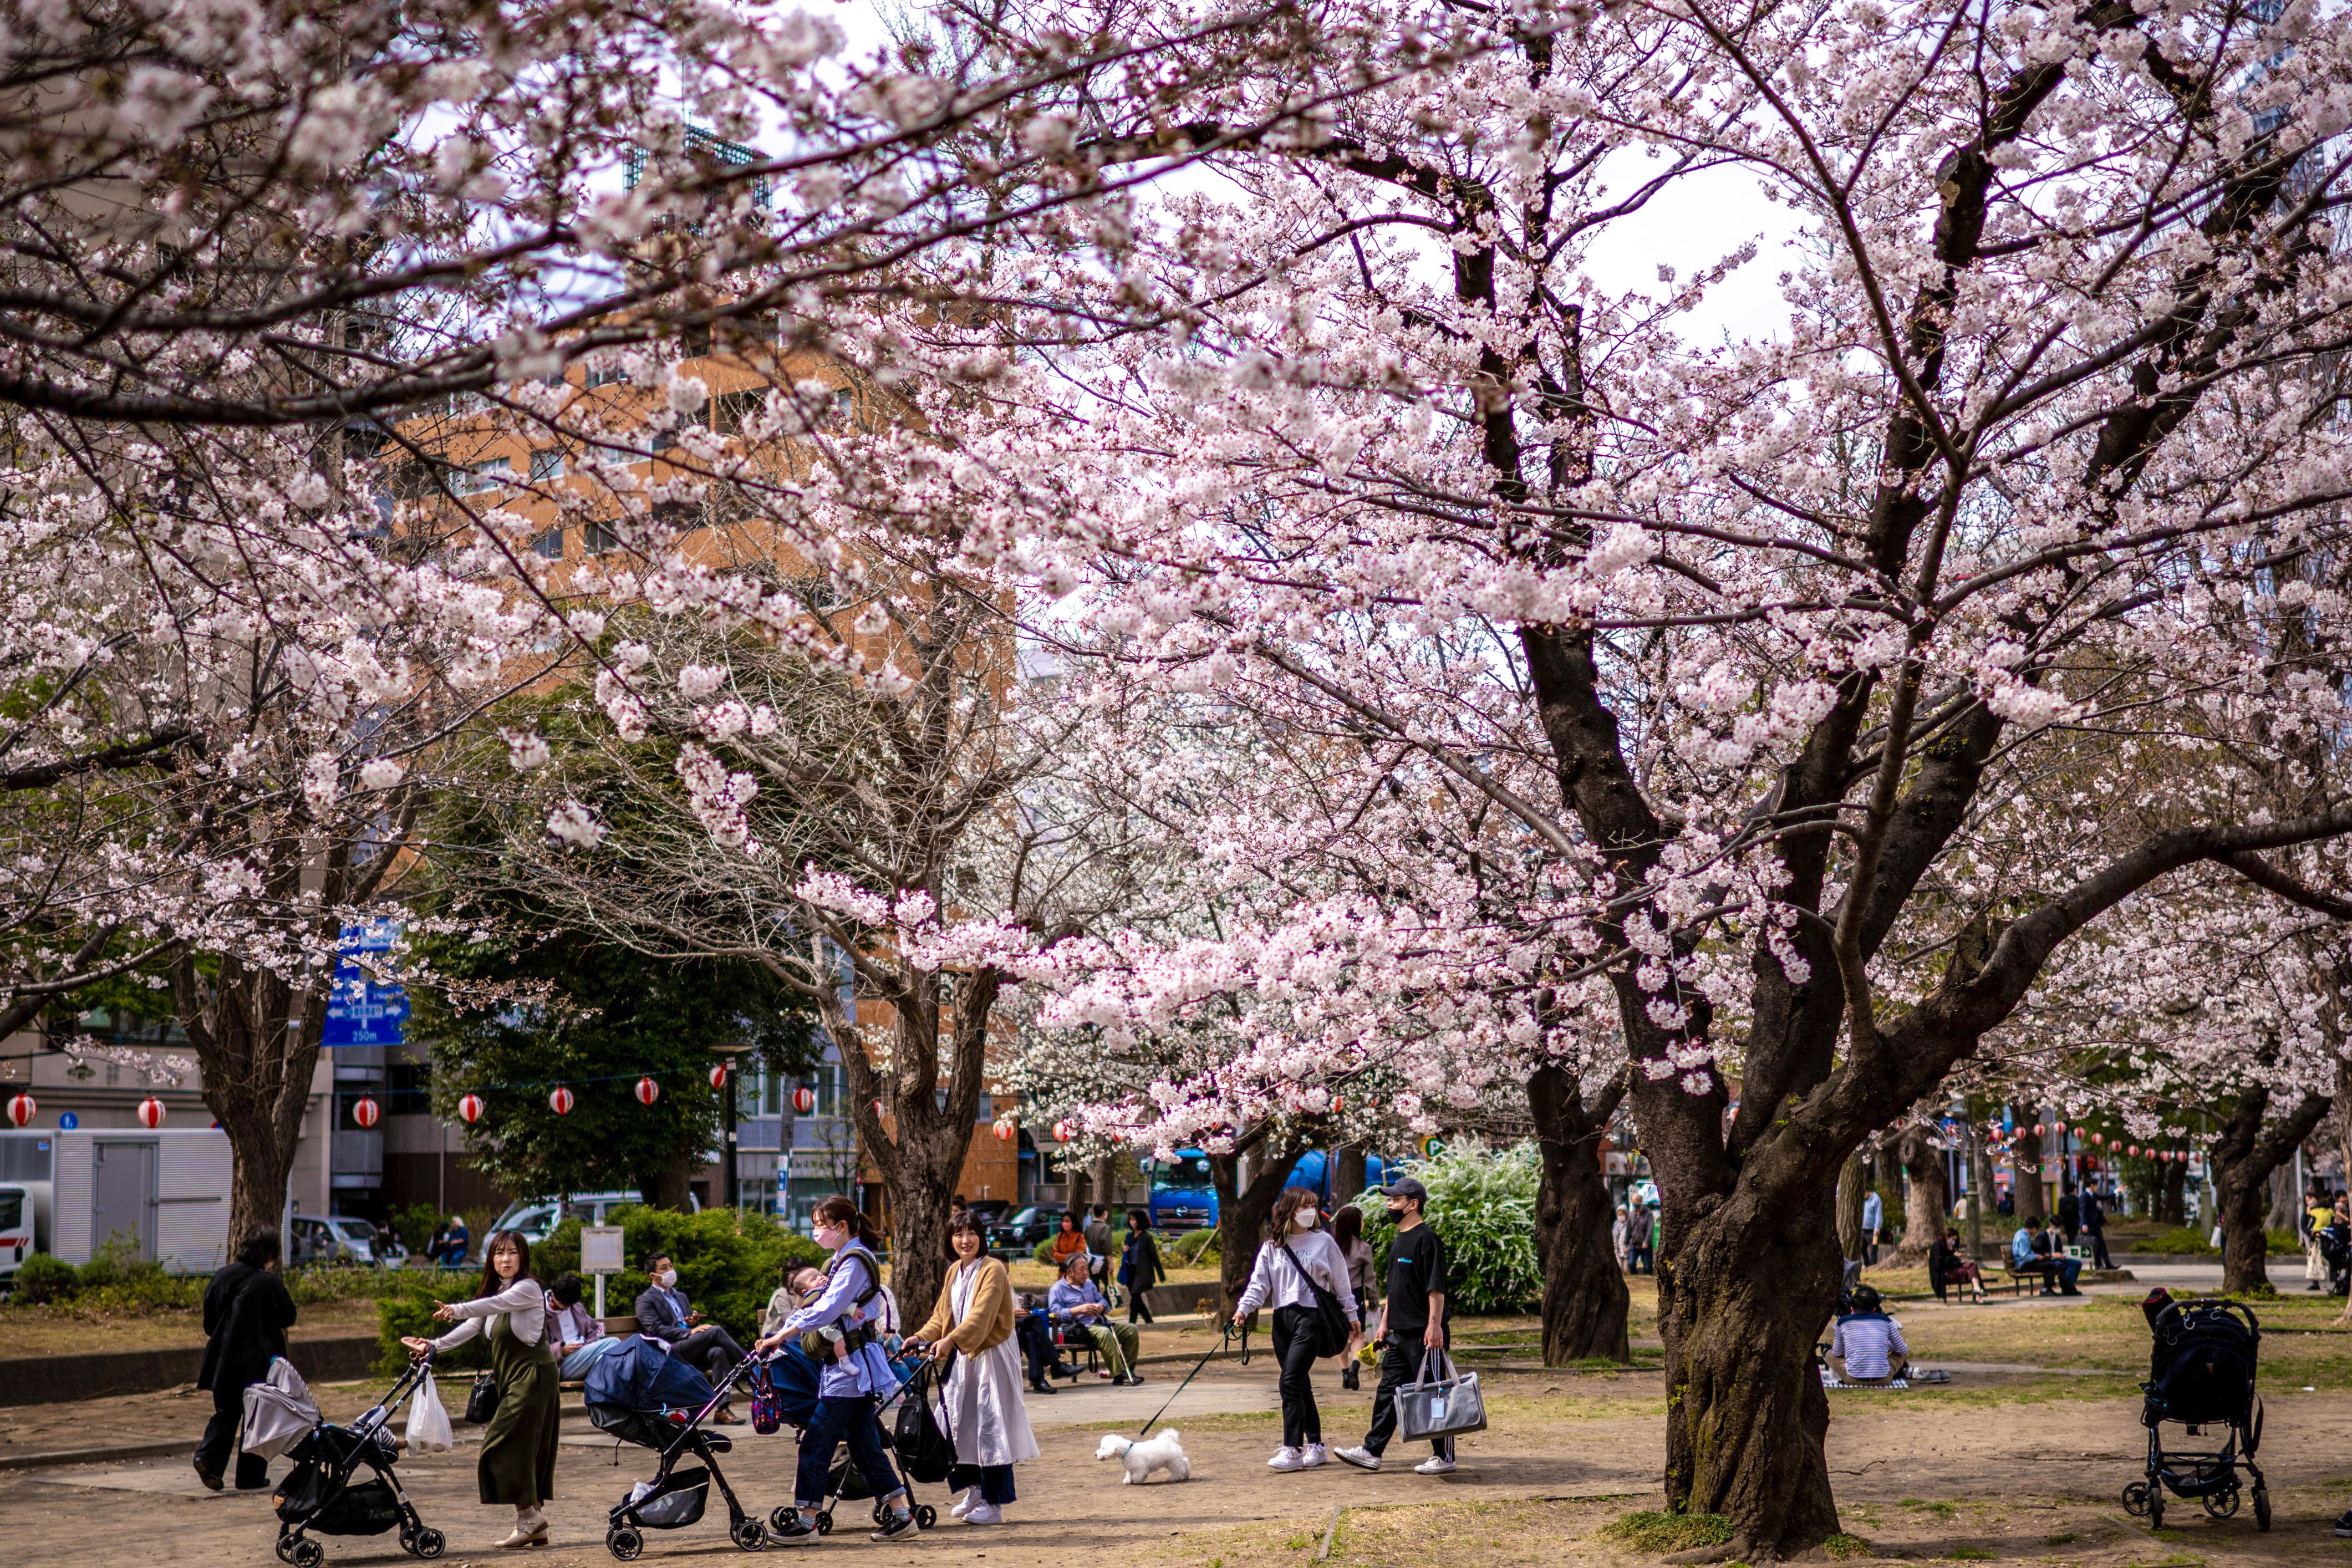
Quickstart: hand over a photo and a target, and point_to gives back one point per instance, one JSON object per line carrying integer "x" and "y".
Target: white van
{"x": 537, "y": 1217}
{"x": 23, "y": 1207}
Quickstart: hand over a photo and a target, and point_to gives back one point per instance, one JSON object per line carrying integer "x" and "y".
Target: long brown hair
{"x": 491, "y": 1283}
{"x": 838, "y": 1210}
{"x": 1292, "y": 1200}
{"x": 1347, "y": 1226}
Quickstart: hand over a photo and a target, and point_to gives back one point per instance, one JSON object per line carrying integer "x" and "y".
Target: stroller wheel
{"x": 2136, "y": 1500}
{"x": 2156, "y": 1510}
{"x": 308, "y": 1553}
{"x": 285, "y": 1550}
{"x": 824, "y": 1523}
{"x": 430, "y": 1544}
{"x": 2221, "y": 1504}
{"x": 2261, "y": 1508}
{"x": 780, "y": 1517}
{"x": 926, "y": 1515}
{"x": 749, "y": 1535}
{"x": 624, "y": 1543}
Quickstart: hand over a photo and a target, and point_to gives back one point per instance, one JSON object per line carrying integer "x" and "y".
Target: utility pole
{"x": 1976, "y": 1197}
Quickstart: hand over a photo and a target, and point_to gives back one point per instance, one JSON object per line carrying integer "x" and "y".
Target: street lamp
{"x": 730, "y": 1177}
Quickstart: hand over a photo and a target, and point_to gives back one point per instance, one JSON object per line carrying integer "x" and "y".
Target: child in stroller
{"x": 2200, "y": 1375}
{"x": 642, "y": 1395}
{"x": 321, "y": 1494}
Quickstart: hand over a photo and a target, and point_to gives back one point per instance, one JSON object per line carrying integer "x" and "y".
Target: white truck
{"x": 164, "y": 1192}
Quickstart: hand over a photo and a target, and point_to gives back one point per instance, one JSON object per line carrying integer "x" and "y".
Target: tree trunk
{"x": 255, "y": 1040}
{"x": 673, "y": 1182}
{"x": 1926, "y": 1201}
{"x": 1584, "y": 1297}
{"x": 2171, "y": 1192}
{"x": 1743, "y": 1296}
{"x": 1243, "y": 1211}
{"x": 2286, "y": 1199}
{"x": 2026, "y": 1166}
{"x": 1886, "y": 1180}
{"x": 1348, "y": 1178}
{"x": 919, "y": 1201}
{"x": 2243, "y": 1158}
{"x": 1850, "y": 1179}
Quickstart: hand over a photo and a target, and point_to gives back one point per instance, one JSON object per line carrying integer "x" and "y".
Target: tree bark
{"x": 2243, "y": 1158}
{"x": 2025, "y": 1163}
{"x": 255, "y": 1040}
{"x": 1348, "y": 1178}
{"x": 1926, "y": 1201}
{"x": 1850, "y": 1179}
{"x": 1886, "y": 1180}
{"x": 1584, "y": 1299}
{"x": 2171, "y": 1194}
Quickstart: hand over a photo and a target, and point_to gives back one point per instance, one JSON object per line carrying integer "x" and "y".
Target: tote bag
{"x": 1440, "y": 1402}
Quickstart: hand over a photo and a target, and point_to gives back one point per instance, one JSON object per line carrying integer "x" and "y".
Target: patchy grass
{"x": 1663, "y": 1532}
{"x": 1842, "y": 1547}
{"x": 1972, "y": 1554}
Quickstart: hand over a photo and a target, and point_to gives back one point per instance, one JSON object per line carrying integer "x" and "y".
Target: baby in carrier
{"x": 803, "y": 1285}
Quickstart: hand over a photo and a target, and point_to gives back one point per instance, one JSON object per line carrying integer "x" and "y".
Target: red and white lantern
{"x": 803, "y": 1100}
{"x": 2037, "y": 1130}
{"x": 469, "y": 1108}
{"x": 2133, "y": 1151}
{"x": 2098, "y": 1140}
{"x": 877, "y": 1110}
{"x": 364, "y": 1111}
{"x": 1061, "y": 1131}
{"x": 22, "y": 1109}
{"x": 647, "y": 1091}
{"x": 2060, "y": 1129}
{"x": 150, "y": 1112}
{"x": 562, "y": 1102}
{"x": 719, "y": 1076}
{"x": 1004, "y": 1131}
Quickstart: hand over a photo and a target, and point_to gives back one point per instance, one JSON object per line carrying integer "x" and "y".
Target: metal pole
{"x": 1976, "y": 1198}
{"x": 727, "y": 1114}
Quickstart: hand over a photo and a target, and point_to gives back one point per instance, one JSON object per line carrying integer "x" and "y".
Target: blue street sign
{"x": 360, "y": 1009}
{"x": 68, "y": 1122}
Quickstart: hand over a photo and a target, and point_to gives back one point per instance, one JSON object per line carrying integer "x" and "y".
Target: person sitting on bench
{"x": 1949, "y": 1266}
{"x": 1868, "y": 1344}
{"x": 2031, "y": 1252}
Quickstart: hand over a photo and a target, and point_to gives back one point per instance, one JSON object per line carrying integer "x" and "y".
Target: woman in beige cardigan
{"x": 981, "y": 1403}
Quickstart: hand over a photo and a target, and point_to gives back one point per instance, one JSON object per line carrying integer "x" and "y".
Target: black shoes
{"x": 1043, "y": 1388}
{"x": 212, "y": 1482}
{"x": 898, "y": 1527}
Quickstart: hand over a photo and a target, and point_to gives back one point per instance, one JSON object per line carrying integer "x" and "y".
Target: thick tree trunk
{"x": 919, "y": 1201}
{"x": 673, "y": 1182}
{"x": 2286, "y": 1197}
{"x": 2171, "y": 1194}
{"x": 1926, "y": 1201}
{"x": 2243, "y": 1158}
{"x": 1852, "y": 1178}
{"x": 1242, "y": 1213}
{"x": 256, "y": 1043}
{"x": 1348, "y": 1178}
{"x": 1886, "y": 1180}
{"x": 1584, "y": 1298}
{"x": 1743, "y": 1296}
{"x": 2026, "y": 1167}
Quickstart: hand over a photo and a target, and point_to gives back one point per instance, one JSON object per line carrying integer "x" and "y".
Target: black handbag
{"x": 926, "y": 1449}
{"x": 1331, "y": 1317}
{"x": 482, "y": 1401}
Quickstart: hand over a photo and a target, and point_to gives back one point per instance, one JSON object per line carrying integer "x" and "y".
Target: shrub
{"x": 728, "y": 1263}
{"x": 2180, "y": 1243}
{"x": 414, "y": 1225}
{"x": 1043, "y": 1252}
{"x": 44, "y": 1278}
{"x": 406, "y": 1307}
{"x": 1193, "y": 1249}
{"x": 343, "y": 1282}
{"x": 1483, "y": 1208}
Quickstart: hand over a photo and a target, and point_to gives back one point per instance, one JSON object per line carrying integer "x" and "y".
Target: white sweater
{"x": 523, "y": 1304}
{"x": 1274, "y": 1282}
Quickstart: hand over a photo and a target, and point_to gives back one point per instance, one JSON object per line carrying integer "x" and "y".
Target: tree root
{"x": 1737, "y": 1550}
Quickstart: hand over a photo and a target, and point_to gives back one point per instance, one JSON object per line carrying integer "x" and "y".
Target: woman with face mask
{"x": 1298, "y": 1251}
{"x": 852, "y": 1302}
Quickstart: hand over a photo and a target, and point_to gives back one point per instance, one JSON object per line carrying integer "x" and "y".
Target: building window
{"x": 605, "y": 374}
{"x": 547, "y": 464}
{"x": 548, "y": 544}
{"x": 483, "y": 476}
{"x": 599, "y": 537}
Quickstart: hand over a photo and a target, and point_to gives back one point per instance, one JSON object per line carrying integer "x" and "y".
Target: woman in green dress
{"x": 518, "y": 1462}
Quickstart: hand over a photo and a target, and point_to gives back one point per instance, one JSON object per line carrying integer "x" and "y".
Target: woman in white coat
{"x": 1275, "y": 1279}
{"x": 972, "y": 1324}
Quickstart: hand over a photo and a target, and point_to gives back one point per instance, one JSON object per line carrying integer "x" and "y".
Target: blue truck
{"x": 1185, "y": 1193}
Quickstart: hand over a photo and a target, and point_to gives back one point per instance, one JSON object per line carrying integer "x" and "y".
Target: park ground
{"x": 2020, "y": 1459}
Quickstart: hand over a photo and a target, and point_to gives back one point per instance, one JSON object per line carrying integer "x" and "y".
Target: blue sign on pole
{"x": 68, "y": 1122}
{"x": 360, "y": 1009}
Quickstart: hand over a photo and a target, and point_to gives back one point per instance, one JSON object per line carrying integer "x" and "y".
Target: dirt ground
{"x": 2021, "y": 1458}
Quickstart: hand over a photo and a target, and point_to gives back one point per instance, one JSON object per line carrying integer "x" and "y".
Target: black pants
{"x": 220, "y": 1437}
{"x": 1135, "y": 1311}
{"x": 2099, "y": 1259}
{"x": 1036, "y": 1345}
{"x": 1294, "y": 1347}
{"x": 1400, "y": 1364}
{"x": 709, "y": 1350}
{"x": 994, "y": 1481}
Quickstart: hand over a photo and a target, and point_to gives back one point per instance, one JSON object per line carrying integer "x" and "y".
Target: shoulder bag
{"x": 1331, "y": 1317}
{"x": 1440, "y": 1402}
{"x": 482, "y": 1400}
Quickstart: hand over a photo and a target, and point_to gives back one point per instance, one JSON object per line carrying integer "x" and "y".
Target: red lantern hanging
{"x": 719, "y": 1076}
{"x": 877, "y": 1110}
{"x": 562, "y": 1102}
{"x": 1061, "y": 1131}
{"x": 2133, "y": 1151}
{"x": 469, "y": 1108}
{"x": 647, "y": 1091}
{"x": 2098, "y": 1140}
{"x": 803, "y": 1100}
{"x": 1004, "y": 1131}
{"x": 2059, "y": 1129}
{"x": 2037, "y": 1130}
{"x": 150, "y": 1112}
{"x": 22, "y": 1109}
{"x": 364, "y": 1111}
{"x": 1335, "y": 1105}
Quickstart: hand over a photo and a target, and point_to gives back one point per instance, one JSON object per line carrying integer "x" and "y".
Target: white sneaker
{"x": 1435, "y": 1464}
{"x": 984, "y": 1514}
{"x": 1316, "y": 1454}
{"x": 1287, "y": 1459}
{"x": 966, "y": 1503}
{"x": 1362, "y": 1458}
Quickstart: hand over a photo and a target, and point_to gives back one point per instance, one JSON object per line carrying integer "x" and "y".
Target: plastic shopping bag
{"x": 428, "y": 1423}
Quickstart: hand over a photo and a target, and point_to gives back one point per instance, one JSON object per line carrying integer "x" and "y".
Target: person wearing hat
{"x": 1868, "y": 1344}
{"x": 1414, "y": 1323}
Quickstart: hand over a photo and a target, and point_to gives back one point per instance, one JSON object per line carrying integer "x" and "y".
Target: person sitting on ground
{"x": 1949, "y": 1265}
{"x": 1077, "y": 1301}
{"x": 664, "y": 1314}
{"x": 1868, "y": 1344}
{"x": 576, "y": 1334}
{"x": 1069, "y": 1241}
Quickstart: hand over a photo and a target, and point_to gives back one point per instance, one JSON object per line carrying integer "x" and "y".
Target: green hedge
{"x": 1483, "y": 1208}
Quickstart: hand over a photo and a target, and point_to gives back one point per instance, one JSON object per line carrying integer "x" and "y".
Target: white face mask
{"x": 669, "y": 1279}
{"x": 1304, "y": 1219}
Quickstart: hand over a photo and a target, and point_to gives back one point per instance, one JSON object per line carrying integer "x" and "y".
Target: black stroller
{"x": 2336, "y": 1250}
{"x": 321, "y": 1495}
{"x": 791, "y": 1383}
{"x": 642, "y": 1395}
{"x": 2201, "y": 1373}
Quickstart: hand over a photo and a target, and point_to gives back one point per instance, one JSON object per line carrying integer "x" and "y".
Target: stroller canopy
{"x": 643, "y": 1376}
{"x": 2202, "y": 1365}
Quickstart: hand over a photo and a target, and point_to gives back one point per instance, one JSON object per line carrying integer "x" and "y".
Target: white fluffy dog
{"x": 1165, "y": 1452}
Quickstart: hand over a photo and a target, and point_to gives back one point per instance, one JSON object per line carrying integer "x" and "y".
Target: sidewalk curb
{"x": 60, "y": 1457}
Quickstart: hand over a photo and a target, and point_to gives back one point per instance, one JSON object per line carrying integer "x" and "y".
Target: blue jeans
{"x": 994, "y": 1481}
{"x": 835, "y": 1420}
{"x": 576, "y": 1365}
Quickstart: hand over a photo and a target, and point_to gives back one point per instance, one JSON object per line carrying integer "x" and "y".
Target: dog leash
{"x": 1222, "y": 1341}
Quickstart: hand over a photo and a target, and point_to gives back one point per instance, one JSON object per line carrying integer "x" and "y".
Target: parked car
{"x": 988, "y": 1211}
{"x": 342, "y": 1239}
{"x": 537, "y": 1217}
{"x": 1025, "y": 1230}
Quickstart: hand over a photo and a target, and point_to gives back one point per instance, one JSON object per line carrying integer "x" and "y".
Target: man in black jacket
{"x": 247, "y": 1314}
{"x": 665, "y": 1314}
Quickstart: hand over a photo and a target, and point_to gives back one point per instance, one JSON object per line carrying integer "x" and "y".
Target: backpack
{"x": 1331, "y": 1317}
{"x": 926, "y": 1448}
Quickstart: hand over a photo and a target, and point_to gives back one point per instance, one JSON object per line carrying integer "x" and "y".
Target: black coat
{"x": 247, "y": 1314}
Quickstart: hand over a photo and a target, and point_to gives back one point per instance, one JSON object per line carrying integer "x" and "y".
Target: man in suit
{"x": 663, "y": 1313}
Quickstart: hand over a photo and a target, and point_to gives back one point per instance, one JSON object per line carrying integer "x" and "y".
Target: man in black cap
{"x": 1414, "y": 1322}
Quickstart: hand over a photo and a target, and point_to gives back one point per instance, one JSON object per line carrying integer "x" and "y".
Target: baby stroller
{"x": 321, "y": 1495}
{"x": 2201, "y": 1373}
{"x": 2335, "y": 1251}
{"x": 642, "y": 1395}
{"x": 785, "y": 1394}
